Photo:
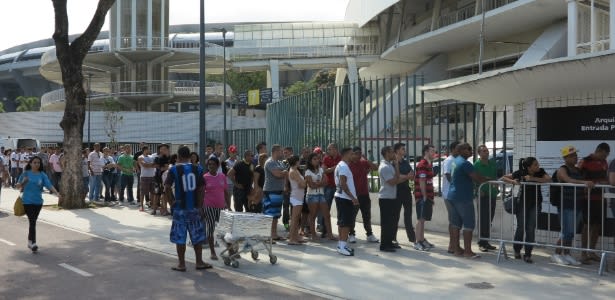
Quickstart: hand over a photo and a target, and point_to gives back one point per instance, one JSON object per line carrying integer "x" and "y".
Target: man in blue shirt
{"x": 461, "y": 197}
{"x": 188, "y": 181}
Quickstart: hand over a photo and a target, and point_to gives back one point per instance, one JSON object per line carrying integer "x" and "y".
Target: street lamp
{"x": 202, "y": 136}
{"x": 89, "y": 91}
{"x": 223, "y": 30}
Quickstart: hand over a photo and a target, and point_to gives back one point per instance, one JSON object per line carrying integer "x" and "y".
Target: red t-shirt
{"x": 424, "y": 170}
{"x": 330, "y": 162}
{"x": 595, "y": 170}
{"x": 360, "y": 170}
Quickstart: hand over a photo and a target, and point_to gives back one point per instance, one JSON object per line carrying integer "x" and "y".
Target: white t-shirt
{"x": 96, "y": 162}
{"x": 23, "y": 159}
{"x": 145, "y": 171}
{"x": 446, "y": 169}
{"x": 343, "y": 169}
{"x": 315, "y": 177}
{"x": 54, "y": 160}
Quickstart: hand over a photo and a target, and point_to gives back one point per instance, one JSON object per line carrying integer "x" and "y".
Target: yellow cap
{"x": 567, "y": 150}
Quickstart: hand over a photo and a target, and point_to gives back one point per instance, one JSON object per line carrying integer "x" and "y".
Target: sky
{"x": 23, "y": 21}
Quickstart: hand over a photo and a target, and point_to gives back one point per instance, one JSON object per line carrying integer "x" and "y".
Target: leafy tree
{"x": 241, "y": 81}
{"x": 70, "y": 57}
{"x": 113, "y": 119}
{"x": 2, "y": 107}
{"x": 27, "y": 103}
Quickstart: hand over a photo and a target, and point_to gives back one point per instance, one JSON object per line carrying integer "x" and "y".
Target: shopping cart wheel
{"x": 227, "y": 261}
{"x": 234, "y": 264}
{"x": 254, "y": 255}
{"x": 273, "y": 259}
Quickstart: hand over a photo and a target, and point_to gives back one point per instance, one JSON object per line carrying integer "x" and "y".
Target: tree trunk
{"x": 70, "y": 57}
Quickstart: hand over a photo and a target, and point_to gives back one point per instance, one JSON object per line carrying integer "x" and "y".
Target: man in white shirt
{"x": 15, "y": 172}
{"x": 345, "y": 201}
{"x": 148, "y": 171}
{"x": 95, "y": 165}
{"x": 55, "y": 168}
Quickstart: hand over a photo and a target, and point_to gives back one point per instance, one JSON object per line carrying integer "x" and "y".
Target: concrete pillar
{"x": 477, "y": 7}
{"x": 593, "y": 31}
{"x": 436, "y": 14}
{"x": 572, "y": 27}
{"x": 273, "y": 79}
{"x": 612, "y": 25}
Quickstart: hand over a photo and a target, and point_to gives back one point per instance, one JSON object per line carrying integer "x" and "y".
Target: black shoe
{"x": 490, "y": 247}
{"x": 387, "y": 249}
{"x": 517, "y": 255}
{"x": 395, "y": 246}
{"x": 483, "y": 248}
{"x": 528, "y": 259}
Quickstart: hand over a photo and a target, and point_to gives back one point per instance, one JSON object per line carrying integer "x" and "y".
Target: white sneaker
{"x": 352, "y": 239}
{"x": 558, "y": 259}
{"x": 29, "y": 244}
{"x": 372, "y": 239}
{"x": 344, "y": 251}
{"x": 571, "y": 260}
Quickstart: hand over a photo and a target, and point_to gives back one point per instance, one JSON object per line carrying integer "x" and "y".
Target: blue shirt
{"x": 33, "y": 190}
{"x": 462, "y": 187}
{"x": 186, "y": 186}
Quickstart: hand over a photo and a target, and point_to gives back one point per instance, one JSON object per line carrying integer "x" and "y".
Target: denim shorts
{"x": 424, "y": 209}
{"x": 315, "y": 199}
{"x": 187, "y": 221}
{"x": 569, "y": 222}
{"x": 462, "y": 215}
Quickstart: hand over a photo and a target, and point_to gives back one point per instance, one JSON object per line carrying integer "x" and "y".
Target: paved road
{"x": 103, "y": 269}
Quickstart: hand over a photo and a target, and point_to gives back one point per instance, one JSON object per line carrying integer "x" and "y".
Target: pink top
{"x": 215, "y": 185}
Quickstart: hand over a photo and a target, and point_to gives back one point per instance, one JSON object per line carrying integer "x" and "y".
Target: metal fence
{"x": 553, "y": 221}
{"x": 378, "y": 112}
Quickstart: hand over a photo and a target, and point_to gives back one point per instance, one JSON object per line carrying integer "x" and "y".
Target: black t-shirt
{"x": 533, "y": 193}
{"x": 244, "y": 173}
{"x": 403, "y": 188}
{"x": 261, "y": 177}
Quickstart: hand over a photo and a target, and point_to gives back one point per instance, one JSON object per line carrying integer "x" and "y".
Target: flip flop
{"x": 213, "y": 257}
{"x": 278, "y": 238}
{"x": 204, "y": 266}
{"x": 178, "y": 269}
{"x": 475, "y": 256}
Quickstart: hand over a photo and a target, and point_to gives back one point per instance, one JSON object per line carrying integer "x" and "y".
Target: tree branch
{"x": 81, "y": 45}
{"x": 60, "y": 34}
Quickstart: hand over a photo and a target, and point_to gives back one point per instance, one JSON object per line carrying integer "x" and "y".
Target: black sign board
{"x": 266, "y": 95}
{"x": 576, "y": 123}
{"x": 242, "y": 98}
{"x": 190, "y": 106}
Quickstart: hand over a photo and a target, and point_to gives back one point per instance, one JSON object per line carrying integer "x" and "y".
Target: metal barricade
{"x": 537, "y": 212}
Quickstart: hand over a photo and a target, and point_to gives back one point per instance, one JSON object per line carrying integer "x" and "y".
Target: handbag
{"x": 512, "y": 204}
{"x": 18, "y": 208}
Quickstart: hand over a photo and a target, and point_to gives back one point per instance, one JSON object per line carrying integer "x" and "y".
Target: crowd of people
{"x": 300, "y": 190}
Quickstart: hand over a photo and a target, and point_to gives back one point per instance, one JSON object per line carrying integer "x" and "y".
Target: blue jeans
{"x": 329, "y": 194}
{"x": 95, "y": 187}
{"x": 569, "y": 218}
{"x": 107, "y": 179}
{"x": 126, "y": 183}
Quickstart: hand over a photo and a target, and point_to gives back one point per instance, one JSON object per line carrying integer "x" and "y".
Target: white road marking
{"x": 7, "y": 242}
{"x": 78, "y": 271}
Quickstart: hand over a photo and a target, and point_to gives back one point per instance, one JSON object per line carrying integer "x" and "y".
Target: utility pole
{"x": 202, "y": 103}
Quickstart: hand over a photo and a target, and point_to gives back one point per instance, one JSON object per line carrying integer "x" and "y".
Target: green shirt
{"x": 126, "y": 163}
{"x": 490, "y": 171}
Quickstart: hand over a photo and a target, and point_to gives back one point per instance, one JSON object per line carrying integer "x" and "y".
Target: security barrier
{"x": 537, "y": 212}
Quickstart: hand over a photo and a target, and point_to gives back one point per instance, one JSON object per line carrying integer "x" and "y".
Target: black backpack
{"x": 555, "y": 191}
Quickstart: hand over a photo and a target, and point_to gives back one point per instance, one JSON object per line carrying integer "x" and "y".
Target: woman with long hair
{"x": 31, "y": 182}
{"x": 530, "y": 202}
{"x": 297, "y": 189}
{"x": 314, "y": 178}
{"x": 215, "y": 194}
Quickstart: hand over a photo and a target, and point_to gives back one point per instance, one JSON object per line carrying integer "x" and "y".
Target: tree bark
{"x": 70, "y": 57}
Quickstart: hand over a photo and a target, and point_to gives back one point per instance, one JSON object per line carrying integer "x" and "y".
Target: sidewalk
{"x": 370, "y": 274}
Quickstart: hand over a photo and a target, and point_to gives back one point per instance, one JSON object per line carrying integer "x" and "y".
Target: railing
{"x": 140, "y": 42}
{"x": 468, "y": 12}
{"x": 560, "y": 212}
{"x": 141, "y": 88}
{"x": 239, "y": 54}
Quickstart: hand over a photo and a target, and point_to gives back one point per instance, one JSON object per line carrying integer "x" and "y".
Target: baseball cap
{"x": 232, "y": 149}
{"x": 567, "y": 150}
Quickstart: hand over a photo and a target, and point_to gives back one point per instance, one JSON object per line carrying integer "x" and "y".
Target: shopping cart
{"x": 241, "y": 233}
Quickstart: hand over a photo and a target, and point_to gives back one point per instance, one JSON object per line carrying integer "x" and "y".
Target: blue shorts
{"x": 315, "y": 199}
{"x": 272, "y": 204}
{"x": 187, "y": 221}
{"x": 462, "y": 214}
